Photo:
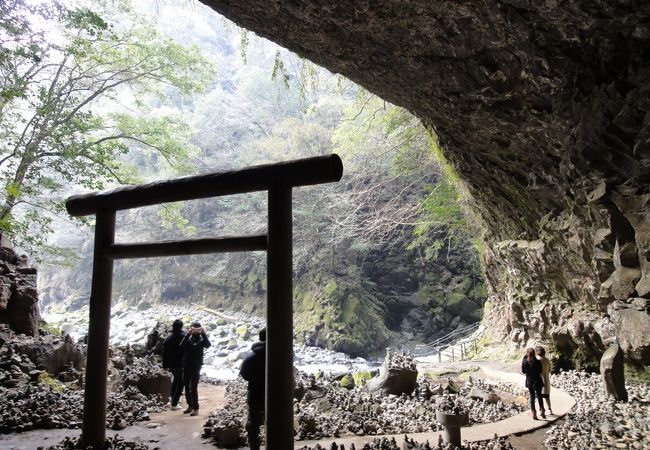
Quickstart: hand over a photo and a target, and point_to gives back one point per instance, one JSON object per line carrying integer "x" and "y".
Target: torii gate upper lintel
{"x": 279, "y": 180}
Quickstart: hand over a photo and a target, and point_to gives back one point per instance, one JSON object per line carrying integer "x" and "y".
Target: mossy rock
{"x": 210, "y": 326}
{"x": 232, "y": 344}
{"x": 347, "y": 382}
{"x": 143, "y": 306}
{"x": 221, "y": 321}
{"x": 243, "y": 332}
{"x": 50, "y": 328}
{"x": 361, "y": 378}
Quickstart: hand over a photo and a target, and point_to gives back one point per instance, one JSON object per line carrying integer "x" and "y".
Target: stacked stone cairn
{"x": 409, "y": 444}
{"x": 225, "y": 426}
{"x": 41, "y": 383}
{"x": 324, "y": 409}
{"x": 598, "y": 420}
{"x": 112, "y": 443}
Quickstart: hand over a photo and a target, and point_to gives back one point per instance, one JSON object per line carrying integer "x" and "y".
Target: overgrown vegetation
{"x": 78, "y": 91}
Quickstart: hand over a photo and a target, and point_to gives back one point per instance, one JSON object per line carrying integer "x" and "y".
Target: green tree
{"x": 75, "y": 96}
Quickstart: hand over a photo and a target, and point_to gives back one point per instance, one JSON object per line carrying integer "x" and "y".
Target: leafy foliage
{"x": 74, "y": 96}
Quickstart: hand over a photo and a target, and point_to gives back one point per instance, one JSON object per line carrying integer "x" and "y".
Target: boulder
{"x": 53, "y": 353}
{"x": 149, "y": 377}
{"x": 156, "y": 338}
{"x": 243, "y": 332}
{"x": 632, "y": 323}
{"x": 450, "y": 386}
{"x": 394, "y": 381}
{"x": 159, "y": 384}
{"x": 486, "y": 396}
{"x": 347, "y": 382}
{"x": 611, "y": 368}
{"x": 621, "y": 283}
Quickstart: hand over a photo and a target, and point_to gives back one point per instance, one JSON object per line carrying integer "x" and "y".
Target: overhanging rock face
{"x": 543, "y": 107}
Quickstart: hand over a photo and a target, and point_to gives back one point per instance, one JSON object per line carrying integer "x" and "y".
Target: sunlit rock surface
{"x": 542, "y": 107}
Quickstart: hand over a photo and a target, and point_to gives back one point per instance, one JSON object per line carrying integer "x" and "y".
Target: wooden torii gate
{"x": 278, "y": 180}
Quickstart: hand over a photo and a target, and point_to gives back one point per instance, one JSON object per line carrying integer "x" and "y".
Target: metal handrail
{"x": 446, "y": 339}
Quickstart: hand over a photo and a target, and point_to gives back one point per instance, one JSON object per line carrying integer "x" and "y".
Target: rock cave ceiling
{"x": 543, "y": 108}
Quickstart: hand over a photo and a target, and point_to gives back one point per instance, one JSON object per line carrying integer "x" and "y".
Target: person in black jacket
{"x": 532, "y": 368}
{"x": 193, "y": 344}
{"x": 253, "y": 370}
{"x": 173, "y": 360}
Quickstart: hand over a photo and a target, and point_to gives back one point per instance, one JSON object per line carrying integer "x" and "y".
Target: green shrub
{"x": 50, "y": 328}
{"x": 347, "y": 382}
{"x": 48, "y": 380}
{"x": 361, "y": 378}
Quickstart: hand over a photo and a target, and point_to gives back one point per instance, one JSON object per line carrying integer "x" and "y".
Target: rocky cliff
{"x": 18, "y": 294}
{"x": 342, "y": 302}
{"x": 542, "y": 108}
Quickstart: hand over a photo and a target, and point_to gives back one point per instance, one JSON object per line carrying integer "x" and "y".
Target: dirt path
{"x": 169, "y": 430}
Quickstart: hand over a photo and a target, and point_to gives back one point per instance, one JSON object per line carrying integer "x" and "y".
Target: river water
{"x": 231, "y": 336}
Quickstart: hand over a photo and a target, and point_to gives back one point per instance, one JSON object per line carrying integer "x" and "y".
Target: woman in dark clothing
{"x": 532, "y": 368}
{"x": 173, "y": 360}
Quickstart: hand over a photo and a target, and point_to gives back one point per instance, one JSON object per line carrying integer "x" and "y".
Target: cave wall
{"x": 543, "y": 108}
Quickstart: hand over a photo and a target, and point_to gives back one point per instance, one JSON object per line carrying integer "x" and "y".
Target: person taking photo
{"x": 193, "y": 344}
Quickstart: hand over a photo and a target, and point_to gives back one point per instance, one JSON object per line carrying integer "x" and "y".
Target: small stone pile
{"x": 15, "y": 368}
{"x": 323, "y": 409}
{"x": 400, "y": 360}
{"x": 36, "y": 398}
{"x": 496, "y": 443}
{"x": 129, "y": 406}
{"x": 112, "y": 443}
{"x": 39, "y": 407}
{"x": 376, "y": 444}
{"x": 225, "y": 426}
{"x": 409, "y": 444}
{"x": 149, "y": 377}
{"x": 598, "y": 422}
{"x": 451, "y": 405}
{"x": 45, "y": 407}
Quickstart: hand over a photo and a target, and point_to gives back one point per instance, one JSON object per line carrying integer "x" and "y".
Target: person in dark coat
{"x": 253, "y": 370}
{"x": 193, "y": 344}
{"x": 532, "y": 368}
{"x": 173, "y": 360}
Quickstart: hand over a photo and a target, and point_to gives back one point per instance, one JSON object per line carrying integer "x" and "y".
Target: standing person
{"x": 546, "y": 375}
{"x": 193, "y": 344}
{"x": 532, "y": 367}
{"x": 173, "y": 360}
{"x": 253, "y": 370}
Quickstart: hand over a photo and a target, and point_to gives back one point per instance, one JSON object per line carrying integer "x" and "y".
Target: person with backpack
{"x": 173, "y": 361}
{"x": 253, "y": 370}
